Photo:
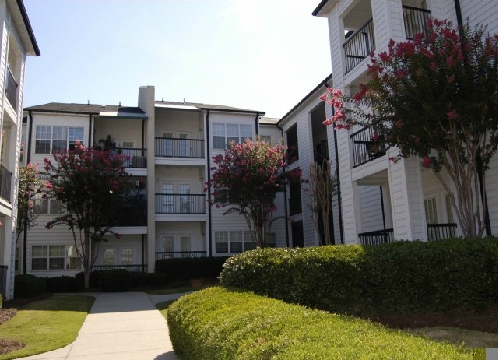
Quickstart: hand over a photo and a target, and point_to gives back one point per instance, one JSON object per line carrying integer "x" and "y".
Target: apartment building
{"x": 170, "y": 147}
{"x": 17, "y": 42}
{"x": 412, "y": 201}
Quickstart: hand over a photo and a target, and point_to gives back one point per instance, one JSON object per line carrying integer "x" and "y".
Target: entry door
{"x": 186, "y": 246}
{"x": 168, "y": 200}
{"x": 183, "y": 145}
{"x": 168, "y": 144}
{"x": 185, "y": 199}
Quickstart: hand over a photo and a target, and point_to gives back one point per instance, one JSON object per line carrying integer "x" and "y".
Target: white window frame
{"x": 228, "y": 132}
{"x": 47, "y": 256}
{"x": 50, "y": 133}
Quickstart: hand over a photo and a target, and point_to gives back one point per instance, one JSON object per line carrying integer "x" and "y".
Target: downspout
{"x": 90, "y": 130}
{"x": 143, "y": 255}
{"x": 143, "y": 137}
{"x": 28, "y": 159}
{"x": 210, "y": 220}
{"x": 382, "y": 207}
{"x": 285, "y": 202}
{"x": 458, "y": 11}
{"x": 256, "y": 124}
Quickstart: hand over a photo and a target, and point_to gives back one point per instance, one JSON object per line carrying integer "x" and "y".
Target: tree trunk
{"x": 86, "y": 273}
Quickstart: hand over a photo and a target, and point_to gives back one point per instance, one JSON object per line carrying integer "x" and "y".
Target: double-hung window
{"x": 56, "y": 139}
{"x": 54, "y": 257}
{"x": 224, "y": 134}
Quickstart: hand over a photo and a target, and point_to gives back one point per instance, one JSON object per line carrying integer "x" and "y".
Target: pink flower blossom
{"x": 426, "y": 162}
{"x": 452, "y": 115}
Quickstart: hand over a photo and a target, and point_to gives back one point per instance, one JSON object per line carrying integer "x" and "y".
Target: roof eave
{"x": 306, "y": 98}
{"x": 323, "y": 7}
{"x": 35, "y": 50}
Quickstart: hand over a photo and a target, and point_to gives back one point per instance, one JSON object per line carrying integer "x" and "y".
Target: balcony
{"x": 359, "y": 45}
{"x": 179, "y": 148}
{"x": 179, "y": 255}
{"x": 415, "y": 20}
{"x": 136, "y": 157}
{"x": 11, "y": 89}
{"x": 440, "y": 231}
{"x": 378, "y": 237}
{"x": 180, "y": 203}
{"x": 366, "y": 146}
{"x": 132, "y": 216}
{"x": 5, "y": 183}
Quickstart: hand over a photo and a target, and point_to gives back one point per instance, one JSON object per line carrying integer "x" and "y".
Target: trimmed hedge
{"x": 108, "y": 280}
{"x": 190, "y": 268}
{"x": 400, "y": 276}
{"x": 26, "y": 286}
{"x": 218, "y": 324}
{"x": 63, "y": 284}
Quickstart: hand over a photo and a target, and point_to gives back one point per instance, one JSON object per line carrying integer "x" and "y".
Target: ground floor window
{"x": 54, "y": 257}
{"x": 235, "y": 242}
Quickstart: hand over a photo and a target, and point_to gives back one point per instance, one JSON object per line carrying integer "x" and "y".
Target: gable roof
{"x": 89, "y": 109}
{"x": 27, "y": 29}
{"x": 201, "y": 106}
{"x": 321, "y": 84}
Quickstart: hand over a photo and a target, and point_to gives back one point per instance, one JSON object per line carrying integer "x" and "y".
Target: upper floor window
{"x": 55, "y": 139}
{"x": 292, "y": 153}
{"x": 223, "y": 134}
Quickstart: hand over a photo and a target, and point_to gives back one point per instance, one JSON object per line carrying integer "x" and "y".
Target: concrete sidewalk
{"x": 124, "y": 326}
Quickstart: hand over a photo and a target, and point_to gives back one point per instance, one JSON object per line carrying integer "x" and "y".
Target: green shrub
{"x": 190, "y": 268}
{"x": 401, "y": 276}
{"x": 108, "y": 280}
{"x": 26, "y": 286}
{"x": 149, "y": 280}
{"x": 218, "y": 324}
{"x": 63, "y": 284}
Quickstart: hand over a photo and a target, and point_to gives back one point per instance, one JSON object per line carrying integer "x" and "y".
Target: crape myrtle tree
{"x": 246, "y": 180}
{"x": 31, "y": 187}
{"x": 435, "y": 97}
{"x": 92, "y": 185}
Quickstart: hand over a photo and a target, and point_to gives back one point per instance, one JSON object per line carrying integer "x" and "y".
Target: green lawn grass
{"x": 46, "y": 325}
{"x": 467, "y": 338}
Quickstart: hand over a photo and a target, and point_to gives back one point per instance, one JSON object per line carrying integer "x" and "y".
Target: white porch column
{"x": 407, "y": 199}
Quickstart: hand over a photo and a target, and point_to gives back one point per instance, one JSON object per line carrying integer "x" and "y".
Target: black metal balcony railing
{"x": 415, "y": 20}
{"x": 180, "y": 203}
{"x": 179, "y": 254}
{"x": 130, "y": 268}
{"x": 367, "y": 146}
{"x": 359, "y": 45}
{"x": 132, "y": 216}
{"x": 440, "y": 231}
{"x": 137, "y": 157}
{"x": 5, "y": 183}
{"x": 11, "y": 89}
{"x": 377, "y": 237}
{"x": 179, "y": 148}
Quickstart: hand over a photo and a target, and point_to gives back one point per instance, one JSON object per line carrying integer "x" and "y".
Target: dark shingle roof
{"x": 91, "y": 109}
{"x": 323, "y": 83}
{"x": 202, "y": 106}
{"x": 319, "y": 7}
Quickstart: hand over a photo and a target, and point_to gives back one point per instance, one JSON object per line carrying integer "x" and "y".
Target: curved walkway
{"x": 120, "y": 326}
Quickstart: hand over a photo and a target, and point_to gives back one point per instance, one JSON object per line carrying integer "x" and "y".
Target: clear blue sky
{"x": 259, "y": 54}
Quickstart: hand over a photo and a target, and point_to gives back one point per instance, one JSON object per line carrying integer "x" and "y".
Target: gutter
{"x": 210, "y": 218}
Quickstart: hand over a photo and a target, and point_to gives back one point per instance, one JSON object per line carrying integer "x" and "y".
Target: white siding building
{"x": 171, "y": 146}
{"x": 413, "y": 203}
{"x": 17, "y": 42}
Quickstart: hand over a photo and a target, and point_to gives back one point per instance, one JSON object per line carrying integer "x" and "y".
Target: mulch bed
{"x": 7, "y": 346}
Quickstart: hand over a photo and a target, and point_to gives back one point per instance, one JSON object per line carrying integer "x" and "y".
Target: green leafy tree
{"x": 30, "y": 188}
{"x": 93, "y": 186}
{"x": 435, "y": 97}
{"x": 247, "y": 178}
